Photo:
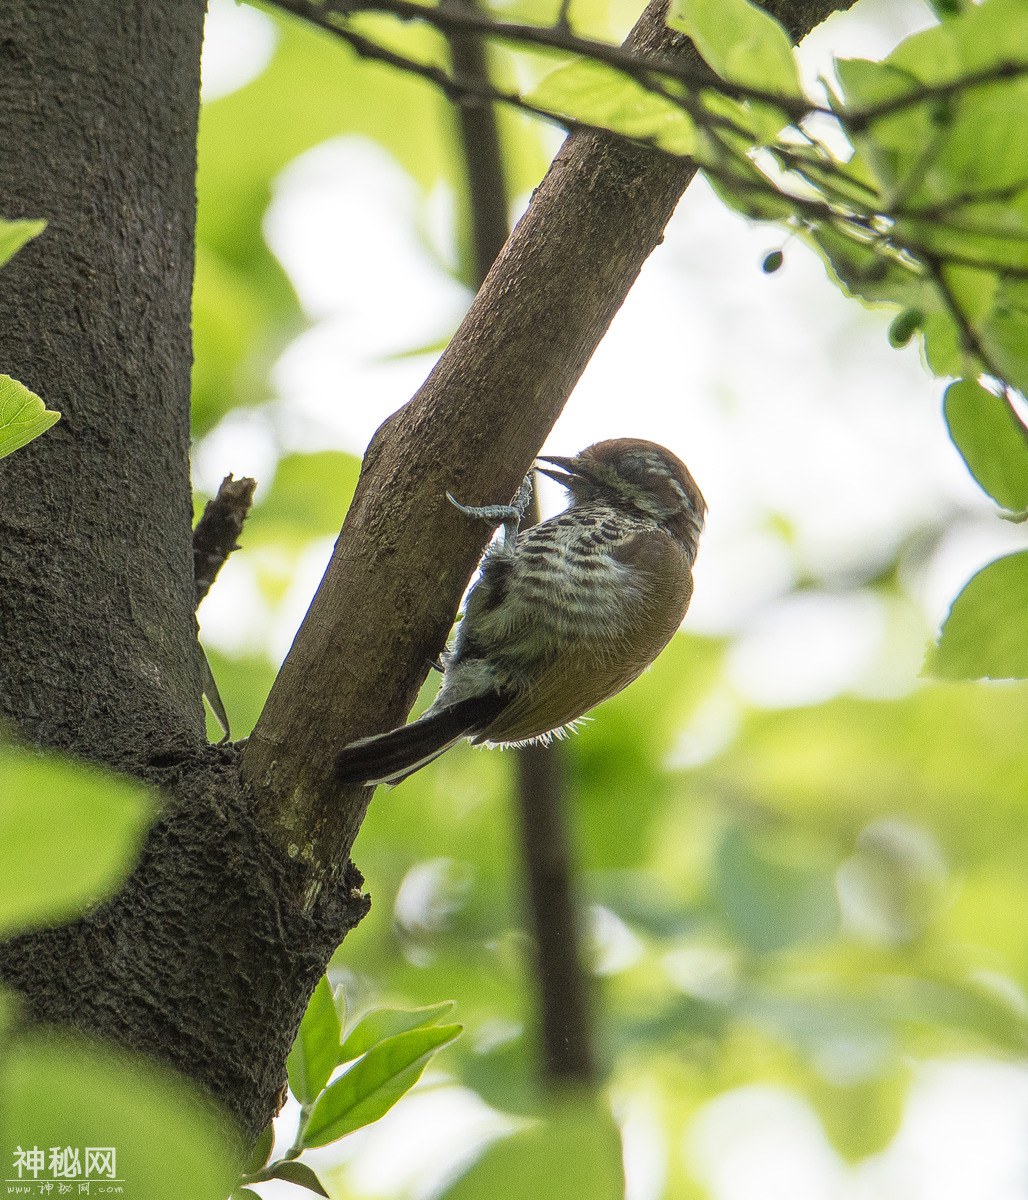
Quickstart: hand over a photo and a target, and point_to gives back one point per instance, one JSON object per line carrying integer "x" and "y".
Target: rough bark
{"x": 97, "y": 634}
{"x": 201, "y": 961}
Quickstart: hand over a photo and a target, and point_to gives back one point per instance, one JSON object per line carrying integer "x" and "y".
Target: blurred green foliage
{"x": 571, "y": 1149}
{"x": 827, "y": 898}
{"x": 245, "y": 310}
{"x": 102, "y": 819}
{"x": 69, "y": 834}
{"x": 57, "y": 1091}
{"x": 831, "y": 895}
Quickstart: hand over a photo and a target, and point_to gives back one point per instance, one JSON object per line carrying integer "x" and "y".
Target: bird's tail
{"x": 391, "y": 757}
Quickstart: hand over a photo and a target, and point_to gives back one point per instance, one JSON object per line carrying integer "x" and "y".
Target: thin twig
{"x": 970, "y": 342}
{"x": 465, "y": 88}
{"x": 449, "y": 18}
{"x": 472, "y": 90}
{"x": 462, "y": 89}
{"x": 981, "y": 196}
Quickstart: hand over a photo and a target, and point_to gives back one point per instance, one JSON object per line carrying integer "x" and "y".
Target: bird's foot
{"x": 507, "y": 515}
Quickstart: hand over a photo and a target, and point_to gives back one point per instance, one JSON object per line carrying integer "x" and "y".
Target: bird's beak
{"x": 567, "y": 470}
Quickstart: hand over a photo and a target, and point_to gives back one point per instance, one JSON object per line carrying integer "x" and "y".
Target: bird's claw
{"x": 507, "y": 515}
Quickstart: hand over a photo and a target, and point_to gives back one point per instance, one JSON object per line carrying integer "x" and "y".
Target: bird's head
{"x": 636, "y": 475}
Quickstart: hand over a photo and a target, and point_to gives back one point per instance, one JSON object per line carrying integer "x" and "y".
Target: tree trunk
{"x": 97, "y": 634}
{"x": 198, "y": 962}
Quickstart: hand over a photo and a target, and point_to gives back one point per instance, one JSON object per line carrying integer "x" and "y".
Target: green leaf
{"x": 940, "y": 150}
{"x": 381, "y": 1023}
{"x": 985, "y": 635}
{"x": 862, "y": 271}
{"x": 23, "y": 416}
{"x": 891, "y": 146}
{"x": 572, "y": 1154}
{"x": 992, "y": 441}
{"x": 261, "y": 1152}
{"x": 742, "y": 186}
{"x": 14, "y": 235}
{"x": 373, "y": 1085}
{"x": 315, "y": 1052}
{"x": 860, "y": 1118}
{"x": 904, "y": 326}
{"x": 986, "y": 35}
{"x": 1004, "y": 329}
{"x": 741, "y": 42}
{"x": 69, "y": 835}
{"x": 169, "y": 1142}
{"x": 597, "y": 94}
{"x": 298, "y": 1173}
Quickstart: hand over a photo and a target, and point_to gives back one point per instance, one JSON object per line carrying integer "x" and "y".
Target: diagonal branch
{"x": 404, "y": 555}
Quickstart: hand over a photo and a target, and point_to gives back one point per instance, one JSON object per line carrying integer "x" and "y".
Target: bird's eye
{"x": 641, "y": 469}
{"x": 635, "y": 468}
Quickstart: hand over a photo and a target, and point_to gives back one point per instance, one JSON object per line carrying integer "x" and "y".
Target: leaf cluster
{"x": 910, "y": 183}
{"x": 385, "y": 1053}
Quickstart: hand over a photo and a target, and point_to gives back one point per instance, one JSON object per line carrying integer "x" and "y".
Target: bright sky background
{"x": 788, "y": 404}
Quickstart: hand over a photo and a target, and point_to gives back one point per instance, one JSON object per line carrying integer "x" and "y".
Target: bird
{"x": 563, "y": 615}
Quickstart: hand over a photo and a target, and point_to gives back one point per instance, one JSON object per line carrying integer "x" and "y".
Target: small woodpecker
{"x": 564, "y": 614}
